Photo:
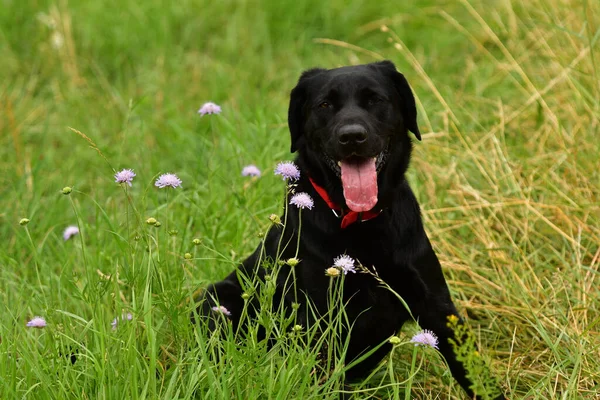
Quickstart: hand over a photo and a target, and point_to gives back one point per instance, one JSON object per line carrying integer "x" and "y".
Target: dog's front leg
{"x": 436, "y": 312}
{"x": 224, "y": 298}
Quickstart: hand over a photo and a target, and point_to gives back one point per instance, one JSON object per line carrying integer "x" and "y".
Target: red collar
{"x": 348, "y": 217}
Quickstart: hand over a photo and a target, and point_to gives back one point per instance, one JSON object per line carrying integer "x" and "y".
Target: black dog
{"x": 350, "y": 128}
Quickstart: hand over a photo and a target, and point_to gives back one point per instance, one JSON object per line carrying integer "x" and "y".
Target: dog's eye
{"x": 324, "y": 105}
{"x": 374, "y": 100}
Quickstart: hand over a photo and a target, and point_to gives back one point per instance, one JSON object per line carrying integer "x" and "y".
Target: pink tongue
{"x": 359, "y": 179}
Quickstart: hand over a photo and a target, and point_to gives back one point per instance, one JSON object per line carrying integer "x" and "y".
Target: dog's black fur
{"x": 377, "y": 99}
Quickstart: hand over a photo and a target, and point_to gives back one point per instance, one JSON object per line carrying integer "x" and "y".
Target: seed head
{"x": 292, "y": 262}
{"x": 274, "y": 218}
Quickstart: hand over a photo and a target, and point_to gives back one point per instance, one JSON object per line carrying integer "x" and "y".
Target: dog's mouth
{"x": 359, "y": 180}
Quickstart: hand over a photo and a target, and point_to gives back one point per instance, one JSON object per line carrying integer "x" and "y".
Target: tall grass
{"x": 507, "y": 176}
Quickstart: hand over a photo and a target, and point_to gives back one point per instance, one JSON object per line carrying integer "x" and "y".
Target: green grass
{"x": 507, "y": 176}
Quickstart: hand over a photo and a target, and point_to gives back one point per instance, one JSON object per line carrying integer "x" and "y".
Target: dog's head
{"x": 352, "y": 123}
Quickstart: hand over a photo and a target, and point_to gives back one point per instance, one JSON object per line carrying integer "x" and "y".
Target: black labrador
{"x": 350, "y": 127}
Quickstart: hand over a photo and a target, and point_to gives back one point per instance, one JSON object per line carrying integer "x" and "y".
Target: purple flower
{"x": 209, "y": 108}
{"x": 168, "y": 180}
{"x": 125, "y": 176}
{"x": 70, "y": 231}
{"x": 345, "y": 263}
{"x": 302, "y": 200}
{"x": 425, "y": 338}
{"x": 124, "y": 317}
{"x": 251, "y": 170}
{"x": 288, "y": 171}
{"x": 221, "y": 310}
{"x": 37, "y": 322}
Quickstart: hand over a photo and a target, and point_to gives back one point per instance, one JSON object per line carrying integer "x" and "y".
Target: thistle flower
{"x": 124, "y": 317}
{"x": 70, "y": 231}
{"x": 221, "y": 310}
{"x": 425, "y": 338}
{"x": 209, "y": 108}
{"x": 288, "y": 171}
{"x": 168, "y": 180}
{"x": 125, "y": 176}
{"x": 37, "y": 322}
{"x": 251, "y": 170}
{"x": 302, "y": 200}
{"x": 345, "y": 263}
{"x": 332, "y": 272}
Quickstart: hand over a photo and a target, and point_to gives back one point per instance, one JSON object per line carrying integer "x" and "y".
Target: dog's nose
{"x": 352, "y": 134}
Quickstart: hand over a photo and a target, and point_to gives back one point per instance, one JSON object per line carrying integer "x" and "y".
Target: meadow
{"x": 507, "y": 176}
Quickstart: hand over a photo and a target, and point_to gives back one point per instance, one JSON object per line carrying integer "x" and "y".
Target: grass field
{"x": 507, "y": 175}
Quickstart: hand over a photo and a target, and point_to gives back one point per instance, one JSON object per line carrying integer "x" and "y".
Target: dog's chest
{"x": 370, "y": 305}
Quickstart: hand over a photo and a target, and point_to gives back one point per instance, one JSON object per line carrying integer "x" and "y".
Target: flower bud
{"x": 395, "y": 340}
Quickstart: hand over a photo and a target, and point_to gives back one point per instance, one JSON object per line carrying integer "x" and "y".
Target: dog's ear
{"x": 409, "y": 108}
{"x": 297, "y": 109}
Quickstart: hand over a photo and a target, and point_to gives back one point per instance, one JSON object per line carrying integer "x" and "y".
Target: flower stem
{"x": 407, "y": 389}
{"x": 35, "y": 259}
